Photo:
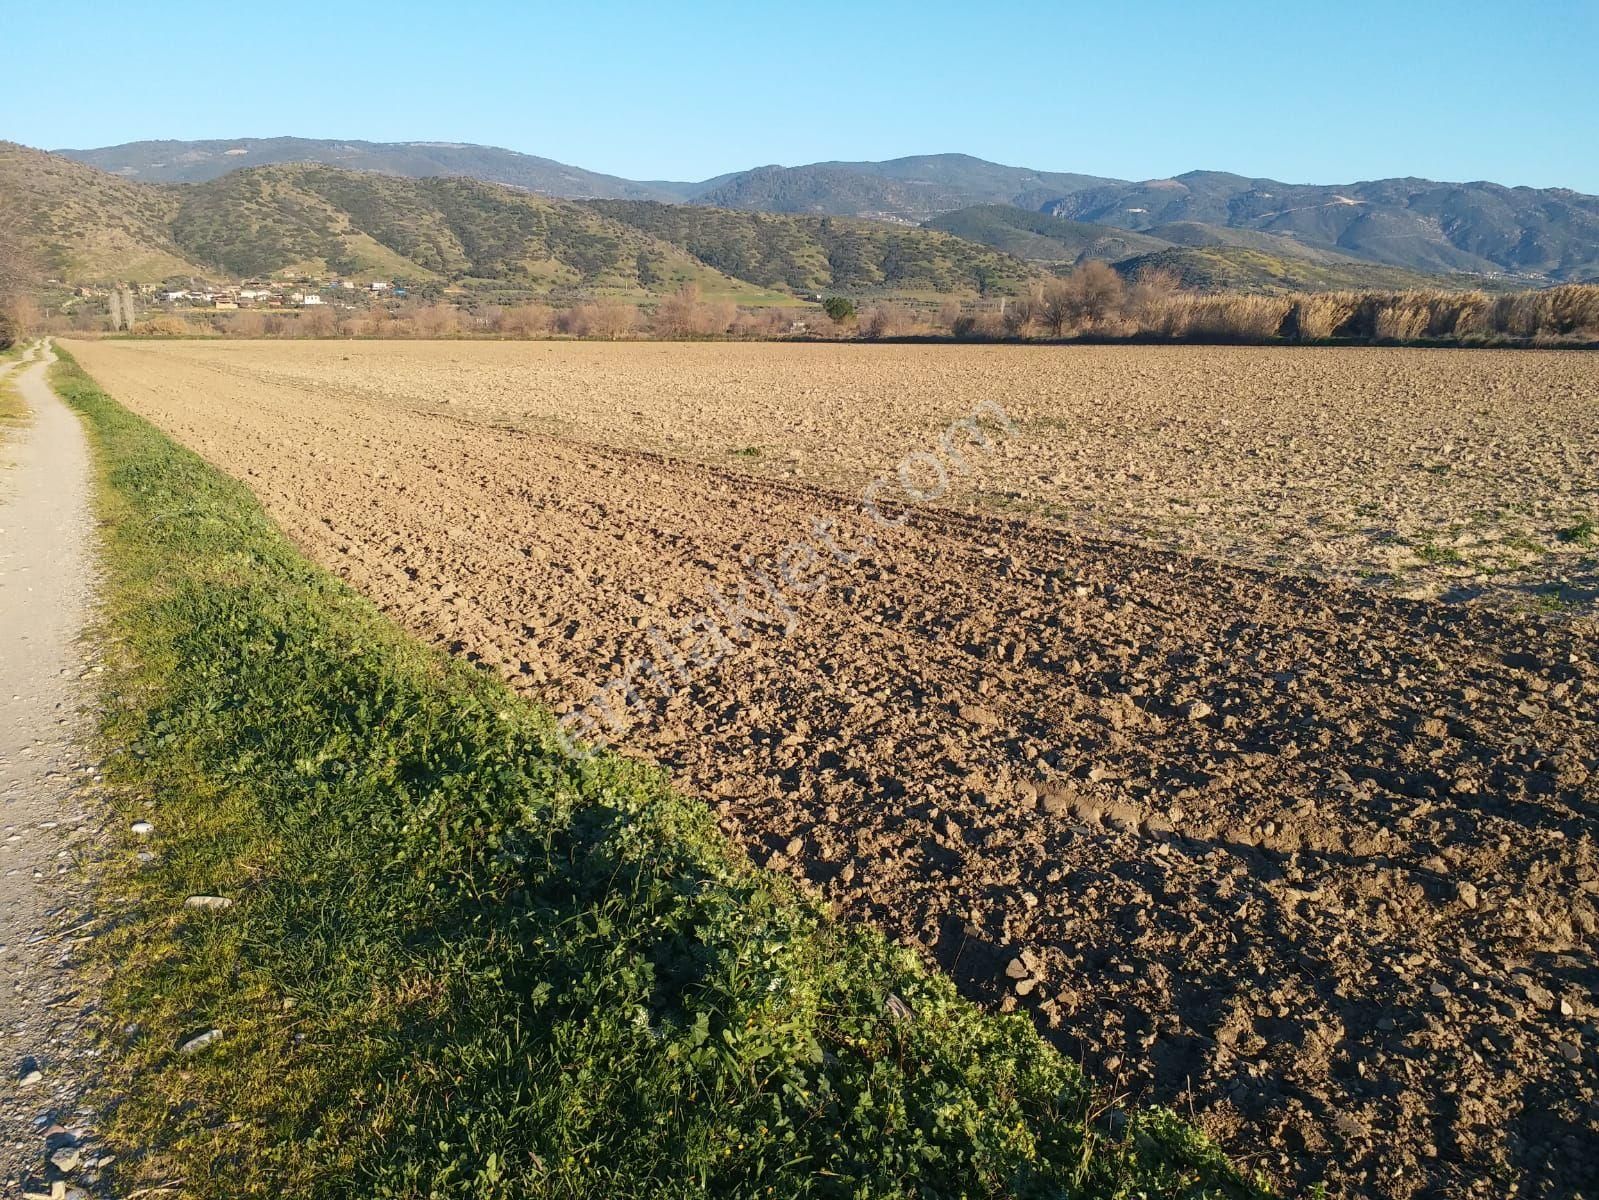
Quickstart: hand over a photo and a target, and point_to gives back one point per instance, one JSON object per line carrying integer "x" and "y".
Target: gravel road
{"x": 46, "y": 584}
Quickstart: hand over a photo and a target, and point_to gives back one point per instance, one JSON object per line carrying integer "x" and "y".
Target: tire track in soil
{"x": 1314, "y": 864}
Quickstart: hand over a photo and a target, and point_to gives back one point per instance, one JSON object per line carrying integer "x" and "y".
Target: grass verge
{"x": 458, "y": 963}
{"x": 13, "y": 412}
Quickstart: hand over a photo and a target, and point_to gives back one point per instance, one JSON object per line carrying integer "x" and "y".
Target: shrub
{"x": 886, "y": 320}
{"x": 978, "y": 327}
{"x": 436, "y": 320}
{"x": 685, "y": 314}
{"x": 246, "y": 325}
{"x": 763, "y": 322}
{"x": 526, "y": 320}
{"x": 1149, "y": 293}
{"x": 164, "y": 326}
{"x": 839, "y": 309}
{"x": 1019, "y": 313}
{"x": 609, "y": 320}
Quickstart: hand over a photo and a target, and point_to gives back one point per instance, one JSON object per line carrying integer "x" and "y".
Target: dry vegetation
{"x": 1093, "y": 303}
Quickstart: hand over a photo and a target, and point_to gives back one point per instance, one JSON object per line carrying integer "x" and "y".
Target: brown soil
{"x": 1313, "y": 863}
{"x": 1428, "y": 473}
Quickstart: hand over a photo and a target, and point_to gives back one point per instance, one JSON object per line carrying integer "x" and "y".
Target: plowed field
{"x": 1311, "y": 860}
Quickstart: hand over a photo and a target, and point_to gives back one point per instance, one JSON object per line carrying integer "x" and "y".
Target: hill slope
{"x": 85, "y": 226}
{"x": 1417, "y": 224}
{"x": 314, "y": 218}
{"x": 1040, "y": 237}
{"x": 76, "y": 223}
{"x": 1411, "y": 223}
{"x": 196, "y": 162}
{"x": 814, "y": 253}
{"x": 912, "y": 189}
{"x": 1233, "y": 268}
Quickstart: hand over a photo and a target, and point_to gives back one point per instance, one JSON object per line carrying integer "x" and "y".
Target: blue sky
{"x": 1306, "y": 93}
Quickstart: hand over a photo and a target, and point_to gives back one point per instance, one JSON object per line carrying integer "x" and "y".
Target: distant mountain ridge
{"x": 1203, "y": 257}
{"x": 1412, "y": 223}
{"x": 1548, "y": 234}
{"x": 201, "y": 161}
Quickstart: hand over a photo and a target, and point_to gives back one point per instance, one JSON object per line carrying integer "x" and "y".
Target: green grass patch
{"x": 1583, "y": 533}
{"x": 460, "y": 963}
{"x": 1432, "y": 552}
{"x": 13, "y": 411}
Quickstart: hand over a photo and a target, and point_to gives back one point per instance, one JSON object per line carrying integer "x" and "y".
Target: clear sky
{"x": 1326, "y": 93}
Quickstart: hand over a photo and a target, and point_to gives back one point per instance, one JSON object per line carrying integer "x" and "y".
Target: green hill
{"x": 82, "y": 225}
{"x": 1243, "y": 269}
{"x": 808, "y": 253}
{"x": 314, "y": 218}
{"x": 1040, "y": 237}
{"x": 907, "y": 189}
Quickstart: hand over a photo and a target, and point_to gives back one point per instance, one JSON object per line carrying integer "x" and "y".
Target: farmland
{"x": 1312, "y": 860}
{"x": 1423, "y": 473}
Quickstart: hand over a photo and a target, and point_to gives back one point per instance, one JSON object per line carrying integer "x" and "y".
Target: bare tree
{"x": 686, "y": 314}
{"x": 317, "y": 321}
{"x": 886, "y": 321}
{"x": 527, "y": 320}
{"x": 247, "y": 325}
{"x": 1099, "y": 291}
{"x": 610, "y": 320}
{"x": 1090, "y": 295}
{"x": 1057, "y": 308}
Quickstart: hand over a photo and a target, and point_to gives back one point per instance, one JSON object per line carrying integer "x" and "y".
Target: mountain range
{"x": 79, "y": 224}
{"x": 992, "y": 222}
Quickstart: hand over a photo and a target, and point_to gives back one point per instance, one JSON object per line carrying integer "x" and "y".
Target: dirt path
{"x": 45, "y": 589}
{"x": 1314, "y": 864}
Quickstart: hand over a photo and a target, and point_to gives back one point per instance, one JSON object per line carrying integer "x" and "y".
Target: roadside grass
{"x": 460, "y": 963}
{"x": 12, "y": 410}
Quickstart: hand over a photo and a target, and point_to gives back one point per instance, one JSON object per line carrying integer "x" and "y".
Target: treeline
{"x": 1091, "y": 303}
{"x": 684, "y": 314}
{"x": 1094, "y": 301}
